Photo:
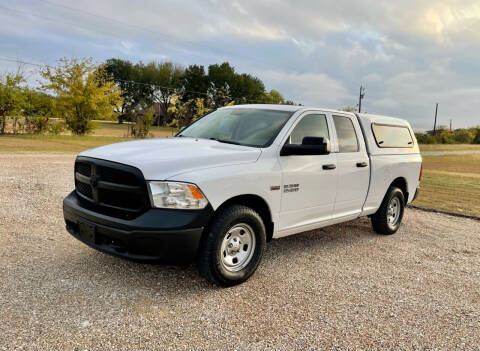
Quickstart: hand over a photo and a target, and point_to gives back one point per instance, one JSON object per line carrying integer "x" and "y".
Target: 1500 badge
{"x": 290, "y": 188}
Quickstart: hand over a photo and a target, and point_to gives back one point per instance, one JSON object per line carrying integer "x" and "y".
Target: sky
{"x": 408, "y": 54}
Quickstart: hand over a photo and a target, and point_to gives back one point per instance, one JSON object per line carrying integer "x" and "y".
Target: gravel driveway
{"x": 339, "y": 287}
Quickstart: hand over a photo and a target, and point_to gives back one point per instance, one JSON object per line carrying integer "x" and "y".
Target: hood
{"x": 162, "y": 158}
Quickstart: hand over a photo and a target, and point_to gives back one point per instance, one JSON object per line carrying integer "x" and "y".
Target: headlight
{"x": 176, "y": 195}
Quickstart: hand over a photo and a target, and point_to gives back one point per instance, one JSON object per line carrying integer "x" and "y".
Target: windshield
{"x": 242, "y": 126}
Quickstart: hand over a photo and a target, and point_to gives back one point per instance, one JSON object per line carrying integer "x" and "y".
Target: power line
{"x": 23, "y": 62}
{"x": 166, "y": 42}
{"x": 213, "y": 51}
{"x": 155, "y": 34}
{"x": 125, "y": 81}
{"x": 101, "y": 17}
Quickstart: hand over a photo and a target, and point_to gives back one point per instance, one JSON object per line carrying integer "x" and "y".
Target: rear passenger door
{"x": 353, "y": 166}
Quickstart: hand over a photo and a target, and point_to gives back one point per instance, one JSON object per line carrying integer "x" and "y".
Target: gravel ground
{"x": 339, "y": 287}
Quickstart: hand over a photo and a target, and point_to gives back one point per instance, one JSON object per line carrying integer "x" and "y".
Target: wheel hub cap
{"x": 237, "y": 247}
{"x": 393, "y": 211}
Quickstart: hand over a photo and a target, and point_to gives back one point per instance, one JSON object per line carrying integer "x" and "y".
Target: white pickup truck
{"x": 238, "y": 178}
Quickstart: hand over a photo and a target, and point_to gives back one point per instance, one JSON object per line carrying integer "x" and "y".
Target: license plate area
{"x": 86, "y": 232}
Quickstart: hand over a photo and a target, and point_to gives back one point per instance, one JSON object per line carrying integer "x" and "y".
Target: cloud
{"x": 309, "y": 88}
{"x": 409, "y": 54}
{"x": 239, "y": 8}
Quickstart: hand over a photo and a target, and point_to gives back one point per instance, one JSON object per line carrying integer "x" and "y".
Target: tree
{"x": 128, "y": 78}
{"x": 141, "y": 129}
{"x": 38, "y": 109}
{"x": 349, "y": 109}
{"x": 463, "y": 136}
{"x": 187, "y": 112}
{"x": 243, "y": 88}
{"x": 247, "y": 89}
{"x": 11, "y": 97}
{"x": 221, "y": 75}
{"x": 195, "y": 83}
{"x": 145, "y": 84}
{"x": 219, "y": 96}
{"x": 165, "y": 81}
{"x": 476, "y": 140}
{"x": 273, "y": 97}
{"x": 82, "y": 93}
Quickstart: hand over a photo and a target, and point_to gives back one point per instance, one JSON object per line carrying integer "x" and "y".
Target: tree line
{"x": 76, "y": 91}
{"x": 446, "y": 136}
{"x": 184, "y": 94}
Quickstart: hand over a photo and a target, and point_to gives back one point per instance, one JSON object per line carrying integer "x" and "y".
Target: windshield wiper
{"x": 225, "y": 141}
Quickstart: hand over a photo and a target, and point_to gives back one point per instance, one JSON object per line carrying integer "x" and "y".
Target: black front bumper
{"x": 166, "y": 235}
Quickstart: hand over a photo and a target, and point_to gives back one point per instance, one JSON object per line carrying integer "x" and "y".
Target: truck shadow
{"x": 169, "y": 280}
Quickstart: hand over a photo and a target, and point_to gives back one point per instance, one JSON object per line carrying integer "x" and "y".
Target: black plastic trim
{"x": 97, "y": 205}
{"x": 417, "y": 191}
{"x": 157, "y": 235}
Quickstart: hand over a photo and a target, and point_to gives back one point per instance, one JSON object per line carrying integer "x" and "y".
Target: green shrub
{"x": 56, "y": 127}
{"x": 141, "y": 129}
{"x": 476, "y": 140}
{"x": 36, "y": 124}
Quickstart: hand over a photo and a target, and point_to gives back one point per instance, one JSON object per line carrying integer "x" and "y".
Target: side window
{"x": 347, "y": 138}
{"x": 392, "y": 136}
{"x": 311, "y": 126}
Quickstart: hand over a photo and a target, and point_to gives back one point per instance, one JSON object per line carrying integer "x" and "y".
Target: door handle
{"x": 362, "y": 164}
{"x": 329, "y": 166}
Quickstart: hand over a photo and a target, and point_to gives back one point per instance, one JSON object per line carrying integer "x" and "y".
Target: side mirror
{"x": 309, "y": 146}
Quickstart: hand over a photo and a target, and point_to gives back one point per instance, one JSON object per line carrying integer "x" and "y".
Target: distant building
{"x": 157, "y": 112}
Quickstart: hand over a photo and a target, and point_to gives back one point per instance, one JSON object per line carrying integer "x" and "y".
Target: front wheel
{"x": 389, "y": 216}
{"x": 233, "y": 246}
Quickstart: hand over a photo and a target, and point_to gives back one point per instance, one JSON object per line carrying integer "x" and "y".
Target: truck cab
{"x": 239, "y": 177}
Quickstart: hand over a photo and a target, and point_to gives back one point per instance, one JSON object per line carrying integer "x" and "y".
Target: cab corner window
{"x": 347, "y": 138}
{"x": 314, "y": 125}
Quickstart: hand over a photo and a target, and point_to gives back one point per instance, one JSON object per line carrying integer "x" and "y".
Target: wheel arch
{"x": 402, "y": 184}
{"x": 255, "y": 202}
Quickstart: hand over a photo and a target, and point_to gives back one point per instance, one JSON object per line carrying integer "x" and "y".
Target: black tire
{"x": 210, "y": 264}
{"x": 380, "y": 221}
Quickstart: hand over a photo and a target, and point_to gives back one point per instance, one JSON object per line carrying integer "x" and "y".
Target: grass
{"x": 106, "y": 133}
{"x": 449, "y": 147}
{"x": 107, "y": 128}
{"x": 52, "y": 144}
{"x": 451, "y": 183}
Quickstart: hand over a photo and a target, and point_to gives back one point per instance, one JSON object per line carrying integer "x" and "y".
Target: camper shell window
{"x": 387, "y": 135}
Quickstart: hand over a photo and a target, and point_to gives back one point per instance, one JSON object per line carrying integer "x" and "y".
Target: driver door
{"x": 309, "y": 182}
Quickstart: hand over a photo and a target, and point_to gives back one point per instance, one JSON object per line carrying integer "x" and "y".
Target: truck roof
{"x": 291, "y": 108}
{"x": 365, "y": 118}
{"x": 366, "y": 121}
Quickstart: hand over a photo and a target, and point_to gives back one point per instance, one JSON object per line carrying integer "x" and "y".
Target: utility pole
{"x": 450, "y": 124}
{"x": 360, "y": 97}
{"x": 435, "y": 123}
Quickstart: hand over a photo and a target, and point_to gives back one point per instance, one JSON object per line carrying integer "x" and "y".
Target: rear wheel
{"x": 389, "y": 216}
{"x": 233, "y": 246}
